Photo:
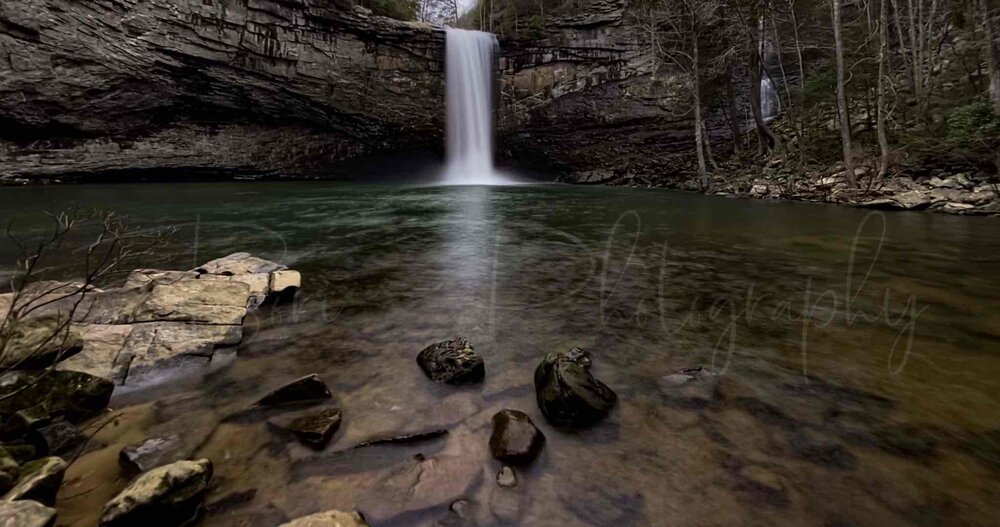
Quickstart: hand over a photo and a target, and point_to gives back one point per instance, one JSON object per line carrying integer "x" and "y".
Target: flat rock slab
{"x": 164, "y": 319}
{"x": 313, "y": 427}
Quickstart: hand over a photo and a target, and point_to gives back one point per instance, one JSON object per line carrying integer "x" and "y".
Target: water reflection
{"x": 523, "y": 271}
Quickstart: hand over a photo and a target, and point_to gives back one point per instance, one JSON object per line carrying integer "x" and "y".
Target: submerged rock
{"x": 308, "y": 388}
{"x": 452, "y": 362}
{"x": 403, "y": 439}
{"x": 314, "y": 428}
{"x": 168, "y": 495}
{"x": 329, "y": 519}
{"x": 40, "y": 481}
{"x": 567, "y": 393}
{"x": 149, "y": 454}
{"x": 507, "y": 478}
{"x": 691, "y": 387}
{"x": 515, "y": 439}
{"x": 26, "y": 513}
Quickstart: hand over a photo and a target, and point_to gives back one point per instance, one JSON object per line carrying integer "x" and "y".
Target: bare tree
{"x": 58, "y": 304}
{"x": 843, "y": 110}
{"x": 883, "y": 65}
{"x": 991, "y": 34}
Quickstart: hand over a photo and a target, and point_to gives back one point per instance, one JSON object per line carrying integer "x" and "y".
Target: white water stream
{"x": 469, "y": 91}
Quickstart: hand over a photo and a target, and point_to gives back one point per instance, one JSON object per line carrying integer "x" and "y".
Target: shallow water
{"x": 829, "y": 413}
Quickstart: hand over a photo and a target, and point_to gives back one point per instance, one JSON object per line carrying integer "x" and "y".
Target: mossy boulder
{"x": 38, "y": 342}
{"x": 26, "y": 513}
{"x": 168, "y": 495}
{"x": 452, "y": 362}
{"x": 40, "y": 481}
{"x": 37, "y": 396}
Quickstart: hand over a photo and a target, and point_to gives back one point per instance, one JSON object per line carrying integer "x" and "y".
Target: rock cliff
{"x": 290, "y": 87}
{"x": 277, "y": 86}
{"x": 581, "y": 98}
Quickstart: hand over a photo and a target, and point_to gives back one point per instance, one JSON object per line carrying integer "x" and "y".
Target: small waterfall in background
{"x": 770, "y": 103}
{"x": 469, "y": 98}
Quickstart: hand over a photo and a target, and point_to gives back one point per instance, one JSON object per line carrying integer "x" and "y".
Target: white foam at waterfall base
{"x": 469, "y": 98}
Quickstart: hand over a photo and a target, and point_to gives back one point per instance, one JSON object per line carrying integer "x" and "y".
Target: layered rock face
{"x": 279, "y": 86}
{"x": 586, "y": 100}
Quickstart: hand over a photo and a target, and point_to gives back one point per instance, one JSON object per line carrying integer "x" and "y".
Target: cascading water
{"x": 469, "y": 90}
{"x": 770, "y": 103}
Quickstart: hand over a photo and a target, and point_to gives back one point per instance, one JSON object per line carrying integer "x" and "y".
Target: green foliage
{"x": 974, "y": 128}
{"x": 398, "y": 9}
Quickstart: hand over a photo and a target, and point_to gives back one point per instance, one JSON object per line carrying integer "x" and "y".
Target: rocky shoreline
{"x": 959, "y": 192}
{"x": 158, "y": 320}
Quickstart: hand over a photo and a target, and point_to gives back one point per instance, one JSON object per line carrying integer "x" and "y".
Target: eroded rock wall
{"x": 282, "y": 86}
{"x": 583, "y": 99}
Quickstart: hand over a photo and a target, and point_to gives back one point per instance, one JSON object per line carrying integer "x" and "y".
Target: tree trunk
{"x": 734, "y": 125}
{"x": 706, "y": 184}
{"x": 842, "y": 109}
{"x": 883, "y": 59}
{"x": 914, "y": 52}
{"x": 990, "y": 31}
{"x": 801, "y": 110}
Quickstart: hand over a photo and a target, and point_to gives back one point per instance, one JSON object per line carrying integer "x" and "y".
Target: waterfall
{"x": 770, "y": 103}
{"x": 469, "y": 90}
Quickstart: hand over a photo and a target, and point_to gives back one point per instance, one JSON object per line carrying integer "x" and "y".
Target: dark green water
{"x": 859, "y": 354}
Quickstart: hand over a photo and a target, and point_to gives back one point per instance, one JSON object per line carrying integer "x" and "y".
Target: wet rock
{"x": 55, "y": 438}
{"x": 151, "y": 453}
{"x": 10, "y": 470}
{"x": 506, "y": 477}
{"x": 820, "y": 449}
{"x": 26, "y": 513}
{"x": 53, "y": 393}
{"x": 168, "y": 495}
{"x": 403, "y": 439}
{"x": 308, "y": 388}
{"x": 452, "y": 362}
{"x": 314, "y": 428}
{"x": 329, "y": 519}
{"x": 238, "y": 264}
{"x": 515, "y": 439}
{"x": 691, "y": 387}
{"x": 567, "y": 393}
{"x": 39, "y": 481}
